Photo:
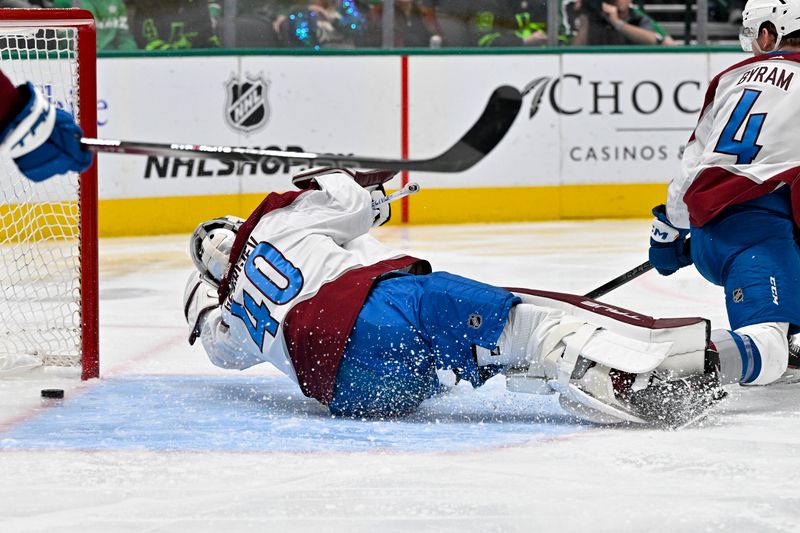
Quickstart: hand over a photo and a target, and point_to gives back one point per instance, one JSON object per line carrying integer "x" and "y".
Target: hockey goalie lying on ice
{"x": 363, "y": 328}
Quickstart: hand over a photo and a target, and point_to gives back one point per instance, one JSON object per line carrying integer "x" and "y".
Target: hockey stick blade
{"x": 482, "y": 137}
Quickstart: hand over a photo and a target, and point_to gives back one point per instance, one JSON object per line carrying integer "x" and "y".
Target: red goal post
{"x": 48, "y": 230}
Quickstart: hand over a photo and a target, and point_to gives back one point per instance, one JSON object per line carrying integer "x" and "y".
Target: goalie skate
{"x": 678, "y": 403}
{"x": 649, "y": 399}
{"x": 792, "y": 374}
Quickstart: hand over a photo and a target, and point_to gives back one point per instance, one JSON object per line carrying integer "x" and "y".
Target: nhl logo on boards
{"x": 246, "y": 106}
{"x": 738, "y": 295}
{"x": 474, "y": 321}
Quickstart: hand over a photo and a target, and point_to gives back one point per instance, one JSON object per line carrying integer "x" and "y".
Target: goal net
{"x": 48, "y": 230}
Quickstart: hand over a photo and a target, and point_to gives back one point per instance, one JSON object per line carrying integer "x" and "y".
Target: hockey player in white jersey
{"x": 738, "y": 195}
{"x": 364, "y": 329}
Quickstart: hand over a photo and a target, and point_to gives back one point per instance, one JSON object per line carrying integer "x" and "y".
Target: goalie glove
{"x": 42, "y": 140}
{"x": 199, "y": 298}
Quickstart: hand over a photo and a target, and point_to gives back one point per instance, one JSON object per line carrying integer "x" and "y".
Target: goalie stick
{"x": 482, "y": 137}
{"x": 408, "y": 190}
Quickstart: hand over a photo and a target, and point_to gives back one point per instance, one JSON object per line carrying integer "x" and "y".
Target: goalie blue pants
{"x": 409, "y": 327}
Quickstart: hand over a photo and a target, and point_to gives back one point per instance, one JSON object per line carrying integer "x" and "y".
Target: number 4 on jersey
{"x": 745, "y": 149}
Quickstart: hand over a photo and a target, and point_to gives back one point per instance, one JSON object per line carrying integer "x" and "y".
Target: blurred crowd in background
{"x": 340, "y": 24}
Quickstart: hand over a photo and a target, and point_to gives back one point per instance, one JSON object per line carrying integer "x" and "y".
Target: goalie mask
{"x": 783, "y": 14}
{"x": 210, "y": 246}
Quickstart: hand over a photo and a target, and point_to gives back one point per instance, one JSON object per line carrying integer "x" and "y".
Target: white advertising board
{"x": 586, "y": 118}
{"x": 338, "y": 104}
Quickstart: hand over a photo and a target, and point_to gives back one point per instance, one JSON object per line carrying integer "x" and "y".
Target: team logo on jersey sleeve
{"x": 246, "y": 106}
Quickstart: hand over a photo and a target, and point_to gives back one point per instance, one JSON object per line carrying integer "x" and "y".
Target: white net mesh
{"x": 40, "y": 312}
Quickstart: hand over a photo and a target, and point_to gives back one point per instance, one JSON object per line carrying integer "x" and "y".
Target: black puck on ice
{"x": 52, "y": 393}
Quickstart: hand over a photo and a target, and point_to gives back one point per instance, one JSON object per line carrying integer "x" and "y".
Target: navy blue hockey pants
{"x": 750, "y": 250}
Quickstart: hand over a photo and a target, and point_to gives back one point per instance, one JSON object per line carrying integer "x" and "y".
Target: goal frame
{"x": 83, "y": 21}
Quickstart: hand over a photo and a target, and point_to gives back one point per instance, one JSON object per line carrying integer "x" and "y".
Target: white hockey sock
{"x": 730, "y": 360}
{"x": 752, "y": 355}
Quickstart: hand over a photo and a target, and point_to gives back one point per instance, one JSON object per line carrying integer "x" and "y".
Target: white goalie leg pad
{"x": 626, "y": 354}
{"x": 524, "y": 330}
{"x": 534, "y": 331}
{"x": 563, "y": 351}
{"x": 554, "y": 346}
{"x": 553, "y": 362}
{"x": 625, "y": 340}
{"x": 591, "y": 397}
{"x": 533, "y": 349}
{"x": 610, "y": 338}
{"x": 543, "y": 352}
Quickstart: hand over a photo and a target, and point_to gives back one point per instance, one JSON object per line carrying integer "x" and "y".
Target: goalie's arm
{"x": 372, "y": 181}
{"x": 341, "y": 209}
{"x": 204, "y": 316}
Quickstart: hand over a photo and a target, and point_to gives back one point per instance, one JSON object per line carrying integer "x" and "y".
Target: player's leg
{"x": 609, "y": 364}
{"x": 596, "y": 356}
{"x": 411, "y": 326}
{"x": 600, "y": 359}
{"x": 753, "y": 355}
{"x": 463, "y": 319}
{"x": 760, "y": 285}
{"x": 751, "y": 252}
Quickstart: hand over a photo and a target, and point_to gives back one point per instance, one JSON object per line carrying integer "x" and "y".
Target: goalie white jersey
{"x": 300, "y": 270}
{"x": 744, "y": 145}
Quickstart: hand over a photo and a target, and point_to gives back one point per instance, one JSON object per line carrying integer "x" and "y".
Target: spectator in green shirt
{"x": 492, "y": 23}
{"x": 111, "y": 21}
{"x": 173, "y": 25}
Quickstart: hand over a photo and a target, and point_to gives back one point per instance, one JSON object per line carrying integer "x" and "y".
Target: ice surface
{"x": 166, "y": 442}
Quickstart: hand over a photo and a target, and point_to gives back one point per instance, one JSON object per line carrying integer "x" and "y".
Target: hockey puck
{"x": 53, "y": 393}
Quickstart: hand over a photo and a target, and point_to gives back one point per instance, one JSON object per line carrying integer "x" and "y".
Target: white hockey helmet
{"x": 211, "y": 243}
{"x": 784, "y": 14}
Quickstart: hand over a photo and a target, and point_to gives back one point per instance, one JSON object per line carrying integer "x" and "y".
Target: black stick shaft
{"x": 632, "y": 274}
{"x": 482, "y": 137}
{"x": 620, "y": 280}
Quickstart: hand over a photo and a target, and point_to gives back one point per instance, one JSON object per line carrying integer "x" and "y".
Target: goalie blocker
{"x": 609, "y": 364}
